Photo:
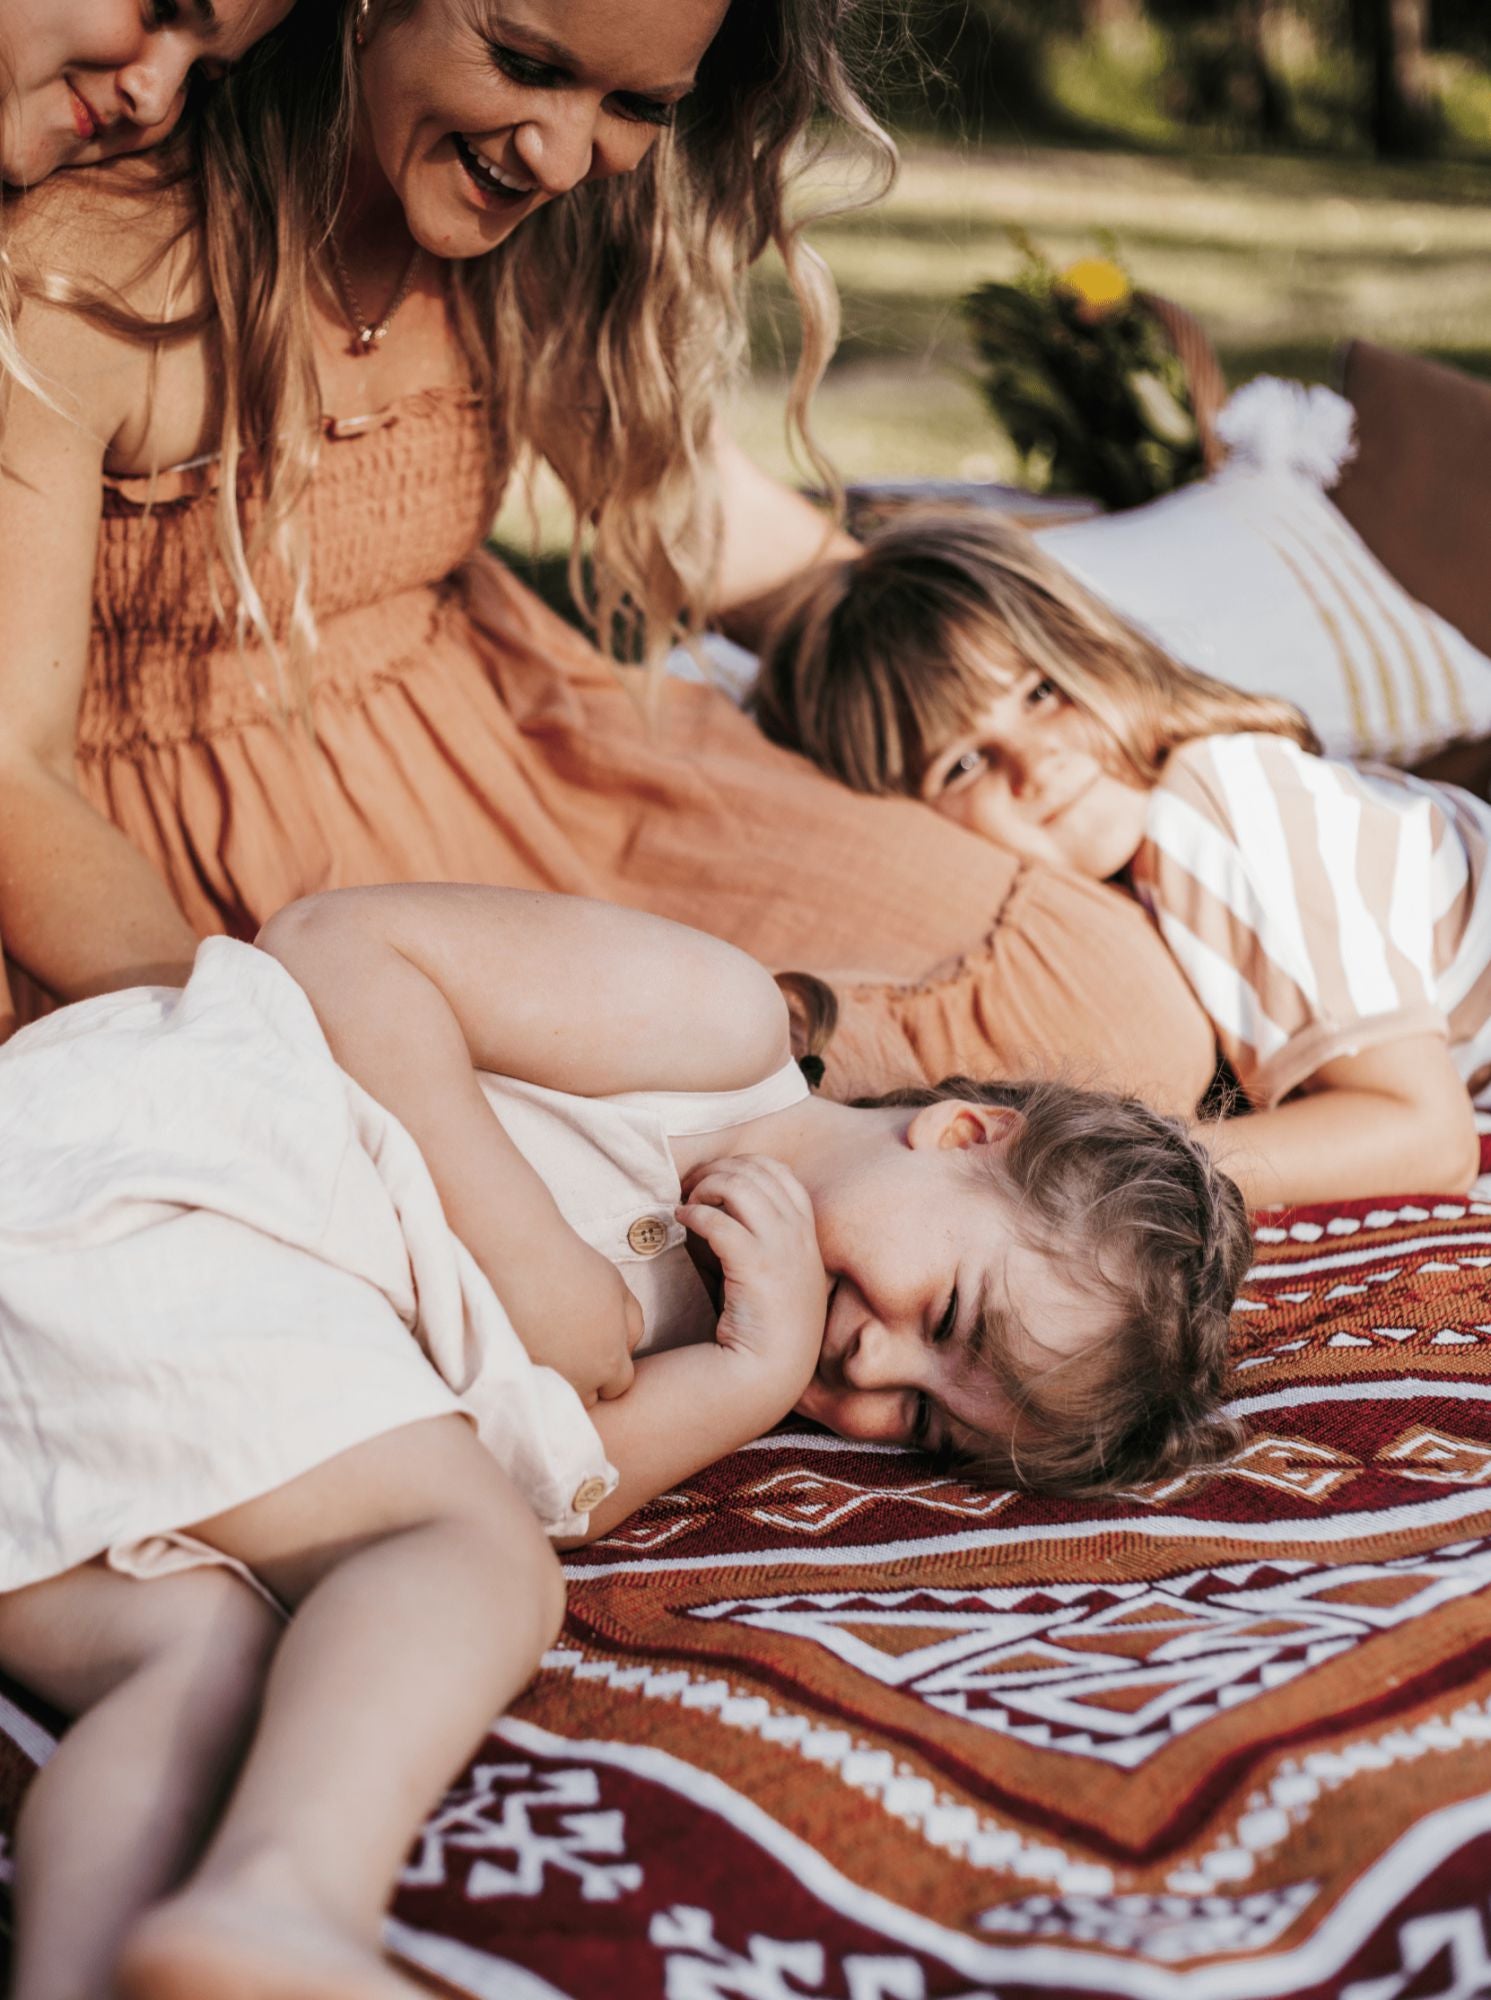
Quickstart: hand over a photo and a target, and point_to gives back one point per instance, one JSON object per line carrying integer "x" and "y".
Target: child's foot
{"x": 214, "y": 1944}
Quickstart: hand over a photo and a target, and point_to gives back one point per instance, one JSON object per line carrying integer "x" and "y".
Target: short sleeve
{"x": 1293, "y": 893}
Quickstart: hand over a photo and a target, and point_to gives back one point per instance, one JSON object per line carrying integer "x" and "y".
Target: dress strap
{"x": 685, "y": 1112}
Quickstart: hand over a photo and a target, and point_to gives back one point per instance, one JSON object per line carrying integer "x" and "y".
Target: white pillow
{"x": 713, "y": 657}
{"x": 1254, "y": 578}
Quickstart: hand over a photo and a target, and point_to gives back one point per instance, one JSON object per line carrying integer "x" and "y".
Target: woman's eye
{"x": 921, "y": 1427}
{"x": 523, "y": 69}
{"x": 645, "y": 110}
{"x": 947, "y": 1325}
{"x": 1041, "y": 693}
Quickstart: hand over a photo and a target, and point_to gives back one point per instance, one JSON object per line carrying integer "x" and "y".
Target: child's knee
{"x": 212, "y": 1633}
{"x": 75, "y": 1638}
{"x": 513, "y": 1550}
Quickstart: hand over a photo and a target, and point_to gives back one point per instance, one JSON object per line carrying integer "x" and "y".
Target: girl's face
{"x": 480, "y": 111}
{"x": 928, "y": 1271}
{"x": 86, "y": 80}
{"x": 1035, "y": 774}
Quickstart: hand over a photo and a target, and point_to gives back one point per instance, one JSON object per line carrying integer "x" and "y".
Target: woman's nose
{"x": 558, "y": 150}
{"x": 151, "y": 86}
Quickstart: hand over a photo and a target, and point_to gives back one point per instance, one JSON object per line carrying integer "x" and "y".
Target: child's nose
{"x": 874, "y": 1361}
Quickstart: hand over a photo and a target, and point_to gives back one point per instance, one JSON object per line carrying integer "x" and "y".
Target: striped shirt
{"x": 1320, "y": 909}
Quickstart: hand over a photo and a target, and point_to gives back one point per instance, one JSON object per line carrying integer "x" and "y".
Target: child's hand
{"x": 756, "y": 1217}
{"x": 574, "y": 1313}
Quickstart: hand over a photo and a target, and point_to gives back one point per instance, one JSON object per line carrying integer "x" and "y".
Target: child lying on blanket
{"x": 253, "y": 1239}
{"x": 1334, "y": 922}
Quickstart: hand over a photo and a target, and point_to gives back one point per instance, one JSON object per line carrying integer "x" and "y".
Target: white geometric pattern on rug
{"x": 1167, "y": 1929}
{"x": 1116, "y": 1671}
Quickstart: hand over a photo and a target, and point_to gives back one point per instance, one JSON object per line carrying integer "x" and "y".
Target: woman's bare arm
{"x": 771, "y": 535}
{"x": 80, "y": 907}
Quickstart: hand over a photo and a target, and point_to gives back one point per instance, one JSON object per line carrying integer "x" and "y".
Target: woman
{"x": 535, "y": 243}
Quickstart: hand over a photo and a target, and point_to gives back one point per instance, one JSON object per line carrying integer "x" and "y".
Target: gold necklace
{"x": 369, "y": 337}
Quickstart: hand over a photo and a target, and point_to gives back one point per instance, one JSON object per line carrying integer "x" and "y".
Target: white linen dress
{"x": 222, "y": 1263}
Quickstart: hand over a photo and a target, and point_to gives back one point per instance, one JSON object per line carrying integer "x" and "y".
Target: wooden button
{"x": 589, "y": 1493}
{"x": 647, "y": 1235}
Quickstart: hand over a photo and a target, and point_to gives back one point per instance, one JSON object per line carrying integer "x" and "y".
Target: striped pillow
{"x": 1255, "y": 578}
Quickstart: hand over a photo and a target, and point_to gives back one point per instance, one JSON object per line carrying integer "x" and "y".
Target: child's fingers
{"x": 757, "y": 1186}
{"x": 726, "y": 1237}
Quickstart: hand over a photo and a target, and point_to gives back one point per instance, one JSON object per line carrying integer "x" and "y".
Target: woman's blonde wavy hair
{"x": 598, "y": 336}
{"x": 872, "y": 667}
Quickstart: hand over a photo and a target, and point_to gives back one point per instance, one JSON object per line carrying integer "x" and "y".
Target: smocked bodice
{"x": 397, "y": 502}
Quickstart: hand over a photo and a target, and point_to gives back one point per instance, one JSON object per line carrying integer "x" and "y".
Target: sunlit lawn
{"x": 1281, "y": 258}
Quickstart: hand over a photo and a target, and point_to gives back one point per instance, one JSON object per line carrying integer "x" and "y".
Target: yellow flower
{"x": 1097, "y": 284}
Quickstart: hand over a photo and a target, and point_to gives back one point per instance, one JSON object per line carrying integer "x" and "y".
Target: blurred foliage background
{"x": 1292, "y": 171}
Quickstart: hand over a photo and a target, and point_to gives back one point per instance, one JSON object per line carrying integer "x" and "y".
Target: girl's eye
{"x": 1041, "y": 693}
{"x": 969, "y": 765}
{"x": 947, "y": 1325}
{"x": 921, "y": 1427}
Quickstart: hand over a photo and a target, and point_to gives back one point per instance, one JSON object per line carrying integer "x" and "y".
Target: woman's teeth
{"x": 490, "y": 179}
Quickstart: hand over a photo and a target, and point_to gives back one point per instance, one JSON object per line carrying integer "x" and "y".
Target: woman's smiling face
{"x": 480, "y": 111}
{"x": 85, "y": 80}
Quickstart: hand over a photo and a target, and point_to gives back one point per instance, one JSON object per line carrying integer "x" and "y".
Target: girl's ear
{"x": 952, "y": 1124}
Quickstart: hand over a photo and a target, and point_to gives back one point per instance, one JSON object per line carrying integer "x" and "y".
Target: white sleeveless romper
{"x": 222, "y": 1263}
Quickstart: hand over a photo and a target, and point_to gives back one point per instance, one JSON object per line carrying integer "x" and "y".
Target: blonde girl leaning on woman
{"x": 418, "y": 238}
{"x": 83, "y": 81}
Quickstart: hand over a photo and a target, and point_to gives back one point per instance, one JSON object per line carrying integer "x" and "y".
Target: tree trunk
{"x": 1394, "y": 35}
{"x": 1272, "y": 100}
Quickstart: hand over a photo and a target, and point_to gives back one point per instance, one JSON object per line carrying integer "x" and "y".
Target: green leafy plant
{"x": 1079, "y": 372}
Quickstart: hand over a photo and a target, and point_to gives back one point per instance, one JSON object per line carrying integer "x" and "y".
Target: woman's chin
{"x": 451, "y": 224}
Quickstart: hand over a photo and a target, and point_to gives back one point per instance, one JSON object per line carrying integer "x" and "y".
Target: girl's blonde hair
{"x": 1127, "y": 1202}
{"x": 870, "y": 667}
{"x": 598, "y": 335}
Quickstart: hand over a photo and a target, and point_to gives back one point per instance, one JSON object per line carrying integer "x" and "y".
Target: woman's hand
{"x": 755, "y": 1215}
{"x": 574, "y": 1313}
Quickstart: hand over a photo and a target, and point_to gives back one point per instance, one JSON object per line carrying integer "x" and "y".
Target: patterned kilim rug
{"x": 823, "y": 1727}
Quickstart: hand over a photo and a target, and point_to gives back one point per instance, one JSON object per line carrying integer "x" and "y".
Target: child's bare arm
{"x": 418, "y": 987}
{"x": 1391, "y": 1120}
{"x": 691, "y": 1406}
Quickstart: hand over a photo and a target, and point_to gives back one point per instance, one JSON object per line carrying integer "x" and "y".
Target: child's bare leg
{"x": 424, "y": 1594}
{"x": 165, "y": 1679}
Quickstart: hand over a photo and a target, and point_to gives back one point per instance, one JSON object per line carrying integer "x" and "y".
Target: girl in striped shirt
{"x": 1334, "y": 921}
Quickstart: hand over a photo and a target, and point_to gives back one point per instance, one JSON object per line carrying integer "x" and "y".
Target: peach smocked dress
{"x": 457, "y": 730}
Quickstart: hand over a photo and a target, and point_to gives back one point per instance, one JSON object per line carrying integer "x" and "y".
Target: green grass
{"x": 1280, "y": 257}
